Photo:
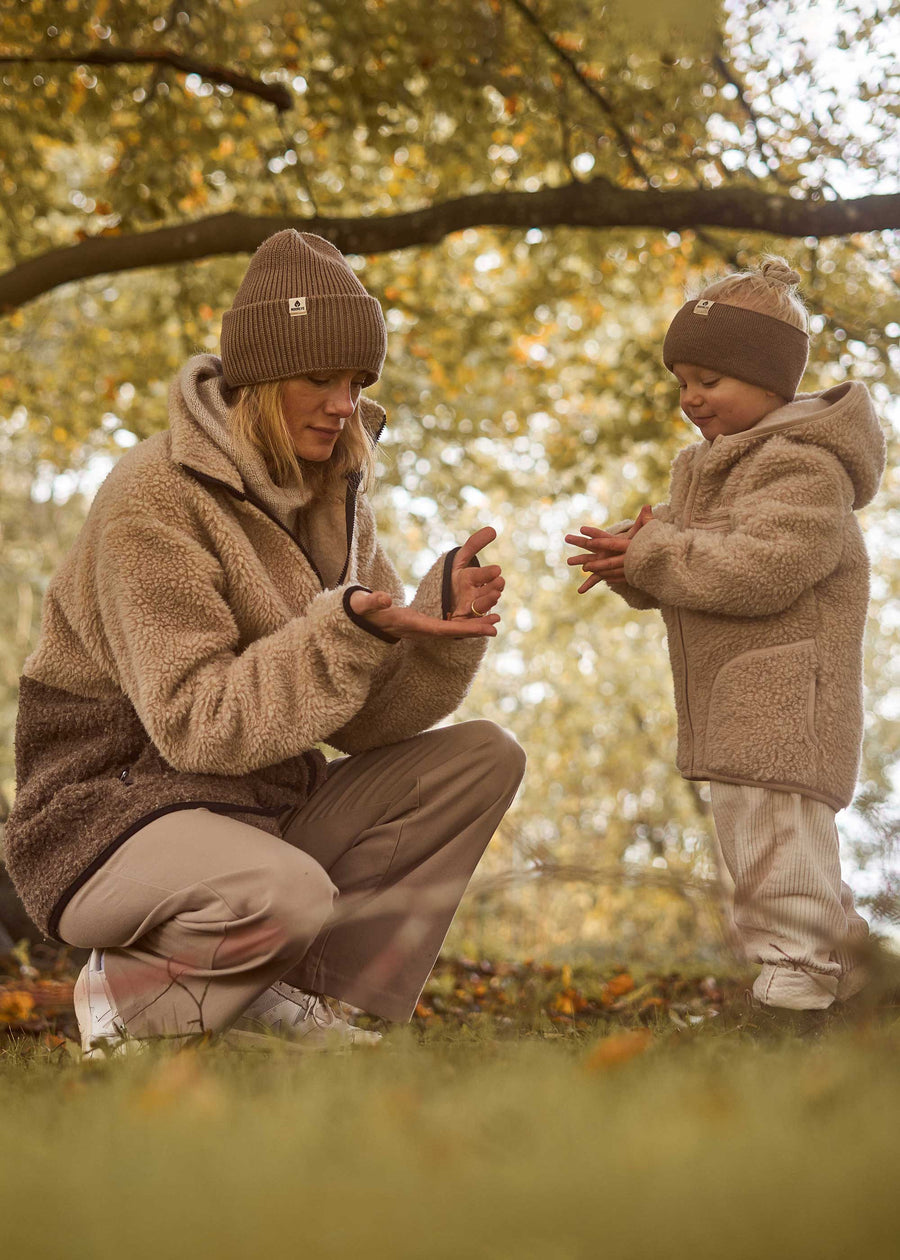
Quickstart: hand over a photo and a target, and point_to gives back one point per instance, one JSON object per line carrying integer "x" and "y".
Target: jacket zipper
{"x": 243, "y": 497}
{"x": 353, "y": 480}
{"x": 687, "y": 702}
{"x": 685, "y": 524}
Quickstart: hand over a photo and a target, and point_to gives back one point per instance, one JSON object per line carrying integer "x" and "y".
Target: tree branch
{"x": 595, "y": 94}
{"x": 593, "y": 204}
{"x": 276, "y": 93}
{"x": 765, "y": 151}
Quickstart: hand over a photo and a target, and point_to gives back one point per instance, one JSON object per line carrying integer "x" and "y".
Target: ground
{"x": 529, "y": 1111}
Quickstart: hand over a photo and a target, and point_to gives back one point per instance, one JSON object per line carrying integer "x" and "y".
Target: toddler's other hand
{"x": 605, "y": 559}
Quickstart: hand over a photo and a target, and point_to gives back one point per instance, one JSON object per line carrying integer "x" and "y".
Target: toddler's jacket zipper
{"x": 685, "y": 524}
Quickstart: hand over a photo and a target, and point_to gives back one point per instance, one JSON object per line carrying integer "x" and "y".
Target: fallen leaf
{"x": 16, "y": 1007}
{"x": 564, "y": 1003}
{"x": 619, "y": 985}
{"x": 180, "y": 1082}
{"x": 618, "y": 1048}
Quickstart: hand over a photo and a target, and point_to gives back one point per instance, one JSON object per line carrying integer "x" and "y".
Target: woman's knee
{"x": 289, "y": 899}
{"x": 497, "y": 746}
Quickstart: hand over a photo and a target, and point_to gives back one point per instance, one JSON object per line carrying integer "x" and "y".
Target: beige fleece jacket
{"x": 191, "y": 655}
{"x": 759, "y": 568}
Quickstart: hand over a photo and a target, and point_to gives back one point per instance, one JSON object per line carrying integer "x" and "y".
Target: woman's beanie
{"x": 300, "y": 309}
{"x": 745, "y": 344}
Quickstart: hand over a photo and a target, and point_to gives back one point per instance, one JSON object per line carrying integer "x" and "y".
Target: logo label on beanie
{"x": 297, "y": 306}
{"x": 704, "y": 307}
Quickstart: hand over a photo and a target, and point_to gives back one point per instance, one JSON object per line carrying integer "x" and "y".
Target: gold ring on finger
{"x": 475, "y": 612}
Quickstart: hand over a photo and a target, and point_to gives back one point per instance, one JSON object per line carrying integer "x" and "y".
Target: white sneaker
{"x": 318, "y": 1022}
{"x": 99, "y": 1022}
{"x": 852, "y": 982}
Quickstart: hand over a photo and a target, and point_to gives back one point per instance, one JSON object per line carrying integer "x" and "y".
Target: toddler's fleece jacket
{"x": 759, "y": 568}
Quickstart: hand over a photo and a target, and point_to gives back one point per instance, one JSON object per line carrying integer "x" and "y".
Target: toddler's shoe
{"x": 851, "y": 983}
{"x": 310, "y": 1019}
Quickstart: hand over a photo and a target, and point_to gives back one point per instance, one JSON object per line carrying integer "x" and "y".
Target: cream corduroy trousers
{"x": 792, "y": 911}
{"x": 198, "y": 913}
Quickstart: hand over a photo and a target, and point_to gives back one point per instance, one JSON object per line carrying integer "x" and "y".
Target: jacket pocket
{"x": 720, "y": 521}
{"x": 761, "y": 720}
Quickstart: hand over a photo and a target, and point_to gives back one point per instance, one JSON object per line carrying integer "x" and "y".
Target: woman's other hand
{"x": 604, "y": 559}
{"x": 476, "y": 589}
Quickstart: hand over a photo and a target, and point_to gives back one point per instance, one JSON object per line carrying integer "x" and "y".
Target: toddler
{"x": 758, "y": 566}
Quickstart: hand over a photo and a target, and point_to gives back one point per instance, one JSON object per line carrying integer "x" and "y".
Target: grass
{"x": 537, "y": 1138}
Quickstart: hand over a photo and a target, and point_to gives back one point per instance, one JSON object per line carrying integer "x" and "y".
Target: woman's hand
{"x": 475, "y": 589}
{"x": 605, "y": 559}
{"x": 408, "y": 623}
{"x": 475, "y": 592}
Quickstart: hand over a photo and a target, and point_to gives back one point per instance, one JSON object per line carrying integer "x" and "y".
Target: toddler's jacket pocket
{"x": 761, "y": 717}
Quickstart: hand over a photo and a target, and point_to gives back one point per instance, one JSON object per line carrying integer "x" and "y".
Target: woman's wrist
{"x": 360, "y": 619}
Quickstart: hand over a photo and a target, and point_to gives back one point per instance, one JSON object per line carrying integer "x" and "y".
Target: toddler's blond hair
{"x": 770, "y": 288}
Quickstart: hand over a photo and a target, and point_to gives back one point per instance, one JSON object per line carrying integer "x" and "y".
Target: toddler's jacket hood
{"x": 841, "y": 420}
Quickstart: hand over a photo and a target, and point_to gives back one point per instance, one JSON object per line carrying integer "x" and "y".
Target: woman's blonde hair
{"x": 770, "y": 288}
{"x": 258, "y": 421}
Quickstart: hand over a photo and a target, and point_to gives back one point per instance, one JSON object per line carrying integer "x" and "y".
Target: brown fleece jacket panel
{"x": 760, "y": 570}
{"x": 191, "y": 654}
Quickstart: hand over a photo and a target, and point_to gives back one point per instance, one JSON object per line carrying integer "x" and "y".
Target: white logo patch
{"x": 297, "y": 306}
{"x": 704, "y": 307}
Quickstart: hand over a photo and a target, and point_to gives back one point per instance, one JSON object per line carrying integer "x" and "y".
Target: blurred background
{"x": 530, "y": 187}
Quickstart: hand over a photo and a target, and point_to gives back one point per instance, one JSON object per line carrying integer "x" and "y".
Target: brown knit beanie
{"x": 300, "y": 309}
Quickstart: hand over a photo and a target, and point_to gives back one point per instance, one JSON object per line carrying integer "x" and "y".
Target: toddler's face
{"x": 718, "y": 404}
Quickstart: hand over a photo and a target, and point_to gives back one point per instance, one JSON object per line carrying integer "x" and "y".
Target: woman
{"x": 226, "y": 608}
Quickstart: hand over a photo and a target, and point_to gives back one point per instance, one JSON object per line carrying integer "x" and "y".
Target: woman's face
{"x": 719, "y": 404}
{"x": 316, "y": 408}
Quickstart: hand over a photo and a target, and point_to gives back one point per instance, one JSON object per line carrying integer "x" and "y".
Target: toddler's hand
{"x": 605, "y": 559}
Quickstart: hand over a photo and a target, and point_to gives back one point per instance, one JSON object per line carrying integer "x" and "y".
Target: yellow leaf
{"x": 16, "y": 1007}
{"x": 564, "y": 1003}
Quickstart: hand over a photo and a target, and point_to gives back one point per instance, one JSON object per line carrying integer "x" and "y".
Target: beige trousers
{"x": 792, "y": 912}
{"x": 198, "y": 913}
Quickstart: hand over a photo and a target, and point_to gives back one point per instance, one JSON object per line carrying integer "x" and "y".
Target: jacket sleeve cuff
{"x": 637, "y": 554}
{"x": 447, "y": 582}
{"x": 361, "y": 621}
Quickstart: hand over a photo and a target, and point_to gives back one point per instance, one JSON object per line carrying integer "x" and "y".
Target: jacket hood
{"x": 841, "y": 420}
{"x": 199, "y": 405}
